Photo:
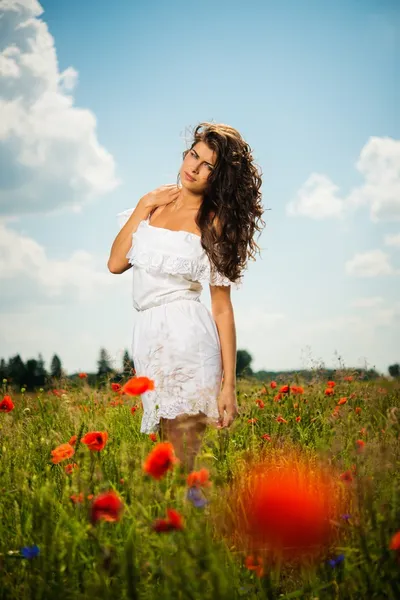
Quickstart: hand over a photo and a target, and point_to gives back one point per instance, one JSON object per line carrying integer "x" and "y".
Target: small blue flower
{"x": 196, "y": 497}
{"x": 30, "y": 551}
{"x": 335, "y": 561}
{"x": 346, "y": 517}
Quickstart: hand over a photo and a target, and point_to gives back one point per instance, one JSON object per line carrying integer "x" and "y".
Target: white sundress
{"x": 175, "y": 339}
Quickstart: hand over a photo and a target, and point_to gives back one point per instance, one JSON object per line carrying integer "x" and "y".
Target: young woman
{"x": 200, "y": 231}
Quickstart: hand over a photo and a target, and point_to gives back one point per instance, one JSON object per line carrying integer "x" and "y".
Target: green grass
{"x": 128, "y": 560}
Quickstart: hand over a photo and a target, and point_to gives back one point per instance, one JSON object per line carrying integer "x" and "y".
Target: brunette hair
{"x": 231, "y": 209}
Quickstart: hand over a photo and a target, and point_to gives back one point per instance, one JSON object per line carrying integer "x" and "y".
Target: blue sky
{"x": 99, "y": 100}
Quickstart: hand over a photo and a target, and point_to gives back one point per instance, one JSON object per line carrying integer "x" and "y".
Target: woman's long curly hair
{"x": 231, "y": 207}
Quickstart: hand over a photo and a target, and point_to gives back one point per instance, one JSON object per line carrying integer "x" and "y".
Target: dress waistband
{"x": 140, "y": 310}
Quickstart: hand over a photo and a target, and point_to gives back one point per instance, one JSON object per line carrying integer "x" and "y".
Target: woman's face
{"x": 198, "y": 164}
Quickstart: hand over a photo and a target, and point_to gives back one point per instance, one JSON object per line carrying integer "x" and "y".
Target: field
{"x": 56, "y": 543}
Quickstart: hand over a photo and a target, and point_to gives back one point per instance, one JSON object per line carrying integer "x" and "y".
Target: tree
{"x": 243, "y": 360}
{"x": 394, "y": 370}
{"x": 103, "y": 364}
{"x": 127, "y": 365}
{"x": 55, "y": 367}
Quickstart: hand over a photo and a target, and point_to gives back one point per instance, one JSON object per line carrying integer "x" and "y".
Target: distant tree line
{"x": 33, "y": 375}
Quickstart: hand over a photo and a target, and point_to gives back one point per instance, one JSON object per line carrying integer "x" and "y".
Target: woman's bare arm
{"x": 118, "y": 263}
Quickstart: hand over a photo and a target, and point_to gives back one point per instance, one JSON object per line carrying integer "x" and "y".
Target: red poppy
{"x": 297, "y": 389}
{"x": 298, "y": 419}
{"x": 252, "y": 421}
{"x": 278, "y": 397}
{"x": 6, "y": 405}
{"x": 72, "y": 441}
{"x": 357, "y": 410}
{"x": 260, "y": 403}
{"x": 61, "y": 453}
{"x": 363, "y": 431}
{"x": 348, "y": 378}
{"x": 77, "y": 498}
{"x": 267, "y": 437}
{"x": 106, "y": 507}
{"x": 347, "y": 476}
{"x": 395, "y": 542}
{"x": 280, "y": 419}
{"x": 330, "y": 384}
{"x": 153, "y": 437}
{"x": 360, "y": 445}
{"x": 115, "y": 387}
{"x": 137, "y": 385}
{"x": 82, "y": 375}
{"x": 254, "y": 566}
{"x": 342, "y": 401}
{"x": 95, "y": 440}
{"x": 273, "y": 385}
{"x": 285, "y": 389}
{"x": 161, "y": 459}
{"x": 329, "y": 391}
{"x": 70, "y": 467}
{"x": 199, "y": 478}
{"x": 134, "y": 409}
{"x": 290, "y": 513}
{"x": 174, "y": 521}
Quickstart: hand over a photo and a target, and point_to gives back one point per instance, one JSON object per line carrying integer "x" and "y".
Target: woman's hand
{"x": 160, "y": 196}
{"x": 227, "y": 407}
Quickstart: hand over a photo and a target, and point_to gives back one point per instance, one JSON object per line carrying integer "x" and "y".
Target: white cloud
{"x": 317, "y": 199}
{"x": 392, "y": 240}
{"x": 379, "y": 163}
{"x": 371, "y": 302}
{"x": 29, "y": 277}
{"x": 369, "y": 264}
{"x": 49, "y": 151}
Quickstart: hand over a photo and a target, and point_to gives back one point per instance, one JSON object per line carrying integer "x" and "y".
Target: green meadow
{"x": 51, "y": 548}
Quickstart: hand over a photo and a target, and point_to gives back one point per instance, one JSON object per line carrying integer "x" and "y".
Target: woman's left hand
{"x": 227, "y": 407}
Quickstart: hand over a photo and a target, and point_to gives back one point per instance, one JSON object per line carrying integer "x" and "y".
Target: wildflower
{"x": 280, "y": 419}
{"x": 82, "y": 375}
{"x": 137, "y": 385}
{"x": 278, "y": 397}
{"x": 273, "y": 385}
{"x": 254, "y": 566}
{"x": 173, "y": 521}
{"x": 329, "y": 391}
{"x": 336, "y": 561}
{"x": 260, "y": 403}
{"x": 122, "y": 481}
{"x": 296, "y": 405}
{"x": 199, "y": 478}
{"x": 115, "y": 387}
{"x": 134, "y": 409}
{"x": 342, "y": 401}
{"x": 346, "y": 476}
{"x": 72, "y": 441}
{"x": 77, "y": 498}
{"x": 61, "y": 453}
{"x": 6, "y": 405}
{"x": 357, "y": 410}
{"x": 346, "y": 517}
{"x": 153, "y": 437}
{"x": 395, "y": 542}
{"x": 30, "y": 551}
{"x": 360, "y": 445}
{"x": 363, "y": 431}
{"x": 297, "y": 389}
{"x": 298, "y": 419}
{"x": 348, "y": 378}
{"x": 274, "y": 507}
{"x": 285, "y": 389}
{"x": 252, "y": 421}
{"x": 70, "y": 467}
{"x": 331, "y": 384}
{"x": 196, "y": 497}
{"x": 106, "y": 507}
{"x": 95, "y": 440}
{"x": 267, "y": 437}
{"x": 161, "y": 459}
